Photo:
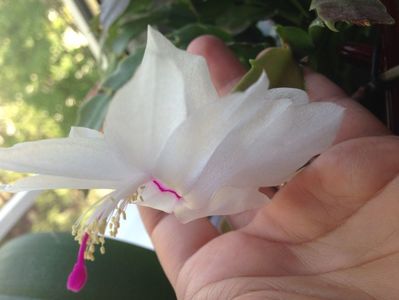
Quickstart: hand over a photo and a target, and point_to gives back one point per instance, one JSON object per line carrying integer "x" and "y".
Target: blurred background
{"x": 46, "y": 71}
{"x": 61, "y": 61}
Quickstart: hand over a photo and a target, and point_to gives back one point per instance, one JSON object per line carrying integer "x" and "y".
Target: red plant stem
{"x": 390, "y": 55}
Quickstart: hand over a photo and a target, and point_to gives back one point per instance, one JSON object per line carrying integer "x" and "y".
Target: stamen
{"x": 90, "y": 231}
{"x": 136, "y": 197}
{"x": 78, "y": 277}
{"x": 164, "y": 189}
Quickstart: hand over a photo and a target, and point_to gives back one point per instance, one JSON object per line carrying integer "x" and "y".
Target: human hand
{"x": 332, "y": 232}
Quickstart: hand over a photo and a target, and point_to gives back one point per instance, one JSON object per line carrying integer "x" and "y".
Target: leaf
{"x": 209, "y": 11}
{"x": 297, "y": 38}
{"x": 112, "y": 10}
{"x": 180, "y": 13}
{"x": 131, "y": 30}
{"x": 138, "y": 7}
{"x": 122, "y": 39}
{"x": 346, "y": 73}
{"x": 297, "y": 4}
{"x": 316, "y": 30}
{"x": 183, "y": 36}
{"x": 359, "y": 12}
{"x": 125, "y": 70}
{"x": 245, "y": 51}
{"x": 279, "y": 66}
{"x": 36, "y": 266}
{"x": 167, "y": 15}
{"x": 92, "y": 112}
{"x": 232, "y": 16}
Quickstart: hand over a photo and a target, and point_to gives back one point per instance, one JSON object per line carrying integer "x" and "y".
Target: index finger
{"x": 175, "y": 242}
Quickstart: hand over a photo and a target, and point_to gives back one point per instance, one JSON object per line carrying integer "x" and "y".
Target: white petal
{"x": 301, "y": 133}
{"x": 110, "y": 202}
{"x": 104, "y": 209}
{"x": 44, "y": 182}
{"x": 68, "y": 157}
{"x": 168, "y": 86}
{"x": 193, "y": 143}
{"x": 266, "y": 153}
{"x": 83, "y": 132}
{"x": 233, "y": 148}
{"x": 228, "y": 200}
{"x": 154, "y": 198}
{"x": 297, "y": 96}
{"x": 259, "y": 88}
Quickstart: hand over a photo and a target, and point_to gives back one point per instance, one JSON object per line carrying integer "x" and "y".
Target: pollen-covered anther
{"x": 95, "y": 232}
{"x": 107, "y": 216}
{"x": 136, "y": 197}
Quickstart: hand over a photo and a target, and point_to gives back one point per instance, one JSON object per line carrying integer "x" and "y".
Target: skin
{"x": 332, "y": 232}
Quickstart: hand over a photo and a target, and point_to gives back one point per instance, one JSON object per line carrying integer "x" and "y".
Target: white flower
{"x": 171, "y": 143}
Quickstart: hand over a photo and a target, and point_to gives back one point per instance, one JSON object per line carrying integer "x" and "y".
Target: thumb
{"x": 320, "y": 87}
{"x": 329, "y": 191}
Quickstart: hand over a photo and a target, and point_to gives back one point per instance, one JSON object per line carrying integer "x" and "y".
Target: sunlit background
{"x": 57, "y": 54}
{"x": 46, "y": 71}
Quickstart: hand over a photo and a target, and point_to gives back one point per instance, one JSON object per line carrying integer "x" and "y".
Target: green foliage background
{"x": 42, "y": 83}
{"x": 239, "y": 24}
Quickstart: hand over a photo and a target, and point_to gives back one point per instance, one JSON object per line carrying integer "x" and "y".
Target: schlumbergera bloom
{"x": 171, "y": 143}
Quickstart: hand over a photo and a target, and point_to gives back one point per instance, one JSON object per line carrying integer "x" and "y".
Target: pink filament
{"x": 164, "y": 189}
{"x": 78, "y": 277}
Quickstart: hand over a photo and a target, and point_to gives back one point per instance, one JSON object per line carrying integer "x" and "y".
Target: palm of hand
{"x": 330, "y": 233}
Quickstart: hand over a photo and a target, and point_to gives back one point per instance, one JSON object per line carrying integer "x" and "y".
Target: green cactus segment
{"x": 280, "y": 67}
{"x": 358, "y": 12}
